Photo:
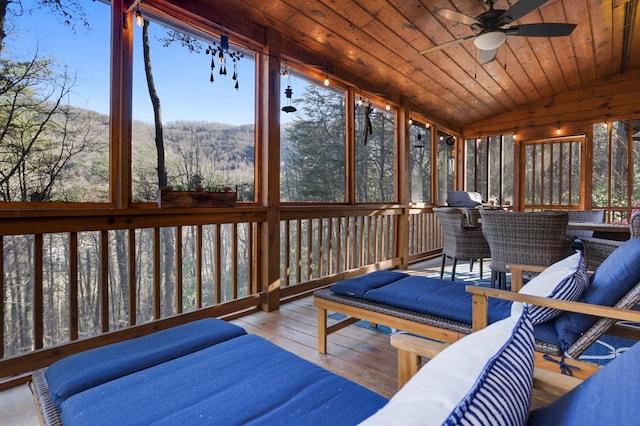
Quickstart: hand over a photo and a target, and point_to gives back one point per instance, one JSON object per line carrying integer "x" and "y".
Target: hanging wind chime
{"x": 288, "y": 92}
{"x": 222, "y": 51}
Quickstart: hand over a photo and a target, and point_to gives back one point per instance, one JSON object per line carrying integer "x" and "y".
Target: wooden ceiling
{"x": 376, "y": 45}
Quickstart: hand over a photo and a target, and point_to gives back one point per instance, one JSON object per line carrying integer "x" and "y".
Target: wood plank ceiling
{"x": 376, "y": 45}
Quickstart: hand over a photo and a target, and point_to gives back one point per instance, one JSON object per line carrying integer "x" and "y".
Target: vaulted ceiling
{"x": 376, "y": 45}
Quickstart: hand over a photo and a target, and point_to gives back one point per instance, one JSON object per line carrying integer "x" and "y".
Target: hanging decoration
{"x": 288, "y": 92}
{"x": 368, "y": 127}
{"x": 222, "y": 51}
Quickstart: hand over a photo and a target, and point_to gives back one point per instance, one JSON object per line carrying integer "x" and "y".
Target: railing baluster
{"x": 38, "y": 295}
{"x": 218, "y": 264}
{"x": 287, "y": 253}
{"x": 179, "y": 270}
{"x": 320, "y": 247}
{"x": 330, "y": 268}
{"x": 156, "y": 273}
{"x": 234, "y": 260}
{"x": 73, "y": 286}
{"x": 299, "y": 251}
{"x": 199, "y": 265}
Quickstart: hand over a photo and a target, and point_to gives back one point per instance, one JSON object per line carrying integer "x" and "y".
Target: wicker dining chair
{"x": 460, "y": 241}
{"x": 596, "y": 250}
{"x": 530, "y": 238}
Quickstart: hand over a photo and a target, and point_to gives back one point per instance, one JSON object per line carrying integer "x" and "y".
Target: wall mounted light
{"x": 138, "y": 15}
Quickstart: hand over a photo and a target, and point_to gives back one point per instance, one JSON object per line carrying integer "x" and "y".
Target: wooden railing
{"x": 76, "y": 280}
{"x": 425, "y": 234}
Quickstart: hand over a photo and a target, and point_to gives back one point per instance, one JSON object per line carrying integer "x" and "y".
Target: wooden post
{"x": 269, "y": 119}
{"x": 402, "y": 183}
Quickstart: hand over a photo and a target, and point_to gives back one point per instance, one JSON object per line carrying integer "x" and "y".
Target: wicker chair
{"x": 530, "y": 238}
{"x": 460, "y": 241}
{"x": 596, "y": 250}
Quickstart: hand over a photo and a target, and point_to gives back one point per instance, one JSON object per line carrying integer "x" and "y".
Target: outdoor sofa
{"x": 442, "y": 310}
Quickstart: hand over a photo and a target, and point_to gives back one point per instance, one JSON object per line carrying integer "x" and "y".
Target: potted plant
{"x": 198, "y": 196}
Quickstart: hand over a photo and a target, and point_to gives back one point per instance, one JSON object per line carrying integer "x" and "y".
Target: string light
{"x": 387, "y": 107}
{"x": 139, "y": 18}
{"x": 326, "y": 79}
{"x": 558, "y": 131}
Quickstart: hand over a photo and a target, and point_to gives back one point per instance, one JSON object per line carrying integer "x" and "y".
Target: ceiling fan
{"x": 491, "y": 27}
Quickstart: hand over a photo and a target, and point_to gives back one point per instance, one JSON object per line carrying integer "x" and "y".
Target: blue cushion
{"x": 619, "y": 272}
{"x": 246, "y": 380}
{"x": 445, "y": 299}
{"x": 358, "y": 286}
{"x": 484, "y": 378}
{"x": 566, "y": 279}
{"x": 609, "y": 397}
{"x": 91, "y": 368}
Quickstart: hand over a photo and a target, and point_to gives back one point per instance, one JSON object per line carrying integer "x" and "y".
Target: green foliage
{"x": 314, "y": 164}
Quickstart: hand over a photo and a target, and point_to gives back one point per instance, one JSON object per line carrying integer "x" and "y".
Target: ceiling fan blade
{"x": 541, "y": 30}
{"x": 518, "y": 10}
{"x": 457, "y": 16}
{"x": 487, "y": 56}
{"x": 445, "y": 45}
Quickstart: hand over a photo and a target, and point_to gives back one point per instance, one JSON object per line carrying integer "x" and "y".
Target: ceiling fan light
{"x": 491, "y": 40}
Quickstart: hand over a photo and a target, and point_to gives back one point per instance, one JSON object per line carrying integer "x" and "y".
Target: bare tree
{"x": 70, "y": 11}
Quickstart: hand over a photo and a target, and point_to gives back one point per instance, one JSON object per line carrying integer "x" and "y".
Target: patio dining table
{"x": 611, "y": 231}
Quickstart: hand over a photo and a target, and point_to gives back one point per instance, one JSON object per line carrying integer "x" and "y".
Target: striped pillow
{"x": 564, "y": 280}
{"x": 484, "y": 378}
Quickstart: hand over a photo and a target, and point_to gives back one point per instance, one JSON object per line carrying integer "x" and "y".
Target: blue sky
{"x": 182, "y": 78}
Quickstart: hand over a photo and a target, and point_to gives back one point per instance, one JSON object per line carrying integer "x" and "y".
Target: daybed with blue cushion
{"x": 442, "y": 310}
{"x": 204, "y": 372}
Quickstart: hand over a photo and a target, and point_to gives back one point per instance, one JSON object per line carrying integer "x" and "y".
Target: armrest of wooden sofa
{"x": 412, "y": 349}
{"x": 481, "y": 295}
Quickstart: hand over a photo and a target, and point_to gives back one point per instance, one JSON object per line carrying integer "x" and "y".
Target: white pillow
{"x": 564, "y": 280}
{"x": 484, "y": 378}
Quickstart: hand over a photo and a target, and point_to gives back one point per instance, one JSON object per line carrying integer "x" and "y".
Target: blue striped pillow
{"x": 484, "y": 378}
{"x": 564, "y": 280}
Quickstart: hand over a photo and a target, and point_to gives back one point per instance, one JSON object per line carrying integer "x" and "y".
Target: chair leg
{"x": 453, "y": 270}
{"x": 471, "y": 265}
{"x": 480, "y": 268}
{"x": 493, "y": 279}
{"x": 502, "y": 280}
{"x": 444, "y": 258}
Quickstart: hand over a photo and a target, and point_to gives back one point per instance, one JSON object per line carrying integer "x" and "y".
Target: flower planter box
{"x": 172, "y": 198}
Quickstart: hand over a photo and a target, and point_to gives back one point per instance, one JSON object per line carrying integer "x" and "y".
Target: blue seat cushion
{"x": 609, "y": 397}
{"x": 359, "y": 286}
{"x": 91, "y": 368}
{"x": 246, "y": 380}
{"x": 619, "y": 272}
{"x": 445, "y": 299}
